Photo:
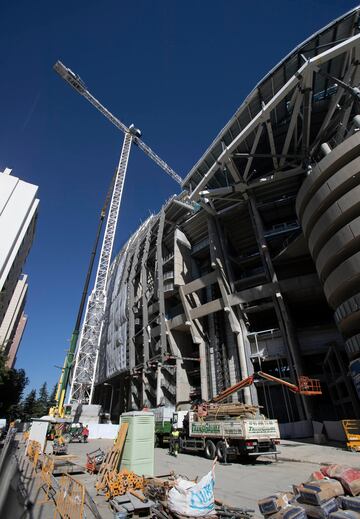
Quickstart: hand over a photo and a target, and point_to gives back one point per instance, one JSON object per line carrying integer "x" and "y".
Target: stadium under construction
{"x": 256, "y": 264}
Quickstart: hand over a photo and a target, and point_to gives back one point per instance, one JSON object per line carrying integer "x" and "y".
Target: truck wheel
{"x": 220, "y": 451}
{"x": 210, "y": 450}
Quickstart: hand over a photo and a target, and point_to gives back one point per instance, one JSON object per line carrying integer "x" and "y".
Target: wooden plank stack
{"x": 238, "y": 410}
{"x": 111, "y": 461}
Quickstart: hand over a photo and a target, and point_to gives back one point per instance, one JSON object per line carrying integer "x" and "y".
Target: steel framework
{"x": 298, "y": 147}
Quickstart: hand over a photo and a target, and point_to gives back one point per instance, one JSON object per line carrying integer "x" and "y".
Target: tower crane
{"x": 84, "y": 371}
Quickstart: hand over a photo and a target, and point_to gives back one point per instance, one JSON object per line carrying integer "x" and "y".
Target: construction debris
{"x": 320, "y": 511}
{"x": 350, "y": 503}
{"x": 118, "y": 483}
{"x": 290, "y": 512}
{"x": 321, "y": 497}
{"x": 348, "y": 477}
{"x": 272, "y": 504}
{"x": 345, "y": 514}
{"x": 94, "y": 461}
{"x": 317, "y": 492}
{"x": 132, "y": 504}
{"x": 193, "y": 499}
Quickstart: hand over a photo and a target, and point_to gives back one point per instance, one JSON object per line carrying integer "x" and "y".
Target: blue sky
{"x": 177, "y": 69}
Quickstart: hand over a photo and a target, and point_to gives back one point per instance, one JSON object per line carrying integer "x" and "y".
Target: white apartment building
{"x": 18, "y": 213}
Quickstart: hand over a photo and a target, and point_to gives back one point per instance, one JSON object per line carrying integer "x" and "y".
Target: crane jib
{"x": 76, "y": 82}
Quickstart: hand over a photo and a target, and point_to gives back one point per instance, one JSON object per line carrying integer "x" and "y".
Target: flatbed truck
{"x": 227, "y": 439}
{"x": 230, "y": 435}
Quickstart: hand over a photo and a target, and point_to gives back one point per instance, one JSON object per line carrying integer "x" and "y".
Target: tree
{"x": 43, "y": 400}
{"x": 12, "y": 385}
{"x": 52, "y": 401}
{"x": 30, "y": 406}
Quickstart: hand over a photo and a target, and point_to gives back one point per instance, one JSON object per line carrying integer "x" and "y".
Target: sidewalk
{"x": 319, "y": 454}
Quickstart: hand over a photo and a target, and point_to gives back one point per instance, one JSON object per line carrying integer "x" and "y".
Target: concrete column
{"x": 160, "y": 282}
{"x": 212, "y": 367}
{"x": 219, "y": 262}
{"x": 159, "y": 391}
{"x": 203, "y": 371}
{"x": 145, "y": 311}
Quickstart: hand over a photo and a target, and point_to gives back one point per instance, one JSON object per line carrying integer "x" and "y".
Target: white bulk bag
{"x": 193, "y": 499}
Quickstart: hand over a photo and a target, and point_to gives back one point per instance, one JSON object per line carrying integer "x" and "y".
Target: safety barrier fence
{"x": 70, "y": 498}
{"x": 33, "y": 451}
{"x": 46, "y": 475}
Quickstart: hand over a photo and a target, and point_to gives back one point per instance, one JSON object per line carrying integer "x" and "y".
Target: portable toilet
{"x": 138, "y": 453}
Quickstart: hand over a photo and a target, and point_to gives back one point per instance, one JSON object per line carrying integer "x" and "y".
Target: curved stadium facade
{"x": 264, "y": 272}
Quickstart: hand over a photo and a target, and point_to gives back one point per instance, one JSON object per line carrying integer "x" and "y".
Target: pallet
{"x": 131, "y": 505}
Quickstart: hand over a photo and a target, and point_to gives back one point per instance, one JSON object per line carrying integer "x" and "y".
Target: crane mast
{"x": 83, "y": 380}
{"x": 84, "y": 371}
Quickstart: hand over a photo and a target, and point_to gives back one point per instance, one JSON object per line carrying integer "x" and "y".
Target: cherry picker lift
{"x": 306, "y": 386}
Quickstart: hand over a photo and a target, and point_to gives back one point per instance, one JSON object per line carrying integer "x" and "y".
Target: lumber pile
{"x": 112, "y": 458}
{"x": 332, "y": 492}
{"x": 237, "y": 410}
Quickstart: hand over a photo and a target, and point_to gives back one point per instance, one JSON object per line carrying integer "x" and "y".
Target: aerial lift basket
{"x": 309, "y": 386}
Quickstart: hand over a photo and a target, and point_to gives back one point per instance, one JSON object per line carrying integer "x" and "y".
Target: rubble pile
{"x": 332, "y": 492}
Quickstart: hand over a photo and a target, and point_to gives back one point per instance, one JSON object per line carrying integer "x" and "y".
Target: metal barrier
{"x": 8, "y": 440}
{"x": 47, "y": 469}
{"x": 33, "y": 452}
{"x": 70, "y": 498}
